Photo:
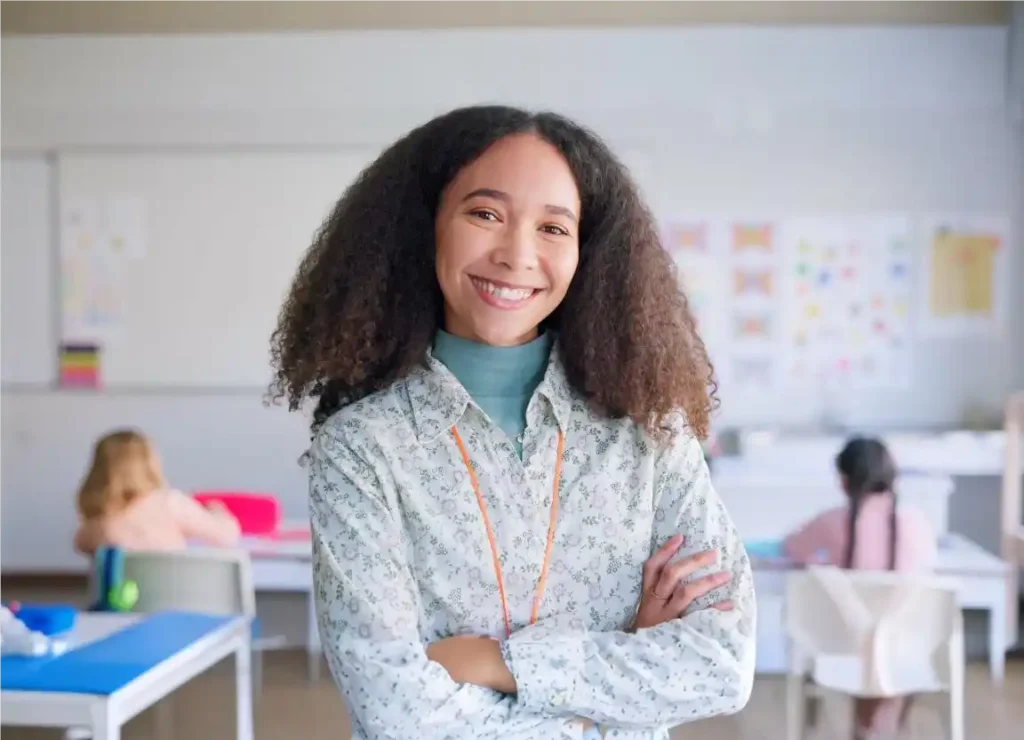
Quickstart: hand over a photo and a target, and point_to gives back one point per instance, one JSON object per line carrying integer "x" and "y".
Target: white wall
{"x": 1015, "y": 79}
{"x": 369, "y": 87}
{"x": 772, "y": 120}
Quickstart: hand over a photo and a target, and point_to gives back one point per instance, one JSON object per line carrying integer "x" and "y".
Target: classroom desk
{"x": 983, "y": 580}
{"x": 286, "y": 566}
{"x": 141, "y": 658}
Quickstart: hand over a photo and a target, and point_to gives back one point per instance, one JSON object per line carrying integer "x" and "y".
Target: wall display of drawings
{"x": 848, "y": 287}
{"x": 753, "y": 294}
{"x": 98, "y": 236}
{"x": 729, "y": 269}
{"x": 692, "y": 242}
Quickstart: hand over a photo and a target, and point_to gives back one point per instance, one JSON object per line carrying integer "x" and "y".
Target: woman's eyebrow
{"x": 505, "y": 197}
{"x": 488, "y": 193}
{"x": 562, "y": 211}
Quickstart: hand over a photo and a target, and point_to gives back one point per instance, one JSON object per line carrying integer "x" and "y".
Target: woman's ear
{"x": 845, "y": 483}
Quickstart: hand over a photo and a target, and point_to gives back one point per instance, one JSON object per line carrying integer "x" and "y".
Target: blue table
{"x": 121, "y": 664}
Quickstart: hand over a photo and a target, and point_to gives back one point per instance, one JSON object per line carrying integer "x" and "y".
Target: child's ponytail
{"x": 867, "y": 469}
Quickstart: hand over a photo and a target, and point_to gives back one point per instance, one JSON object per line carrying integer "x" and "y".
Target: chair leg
{"x": 257, "y": 675}
{"x": 956, "y": 685}
{"x": 956, "y": 713}
{"x": 796, "y": 707}
{"x": 313, "y": 649}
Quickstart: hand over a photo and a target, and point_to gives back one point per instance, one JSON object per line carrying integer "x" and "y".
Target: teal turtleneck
{"x": 501, "y": 380}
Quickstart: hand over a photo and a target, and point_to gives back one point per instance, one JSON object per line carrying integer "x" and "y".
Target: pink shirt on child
{"x": 160, "y": 520}
{"x": 823, "y": 540}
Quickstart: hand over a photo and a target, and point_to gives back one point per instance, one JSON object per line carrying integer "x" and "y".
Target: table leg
{"x": 164, "y": 715}
{"x": 997, "y": 642}
{"x": 243, "y": 691}
{"x": 312, "y": 639}
{"x": 103, "y": 725}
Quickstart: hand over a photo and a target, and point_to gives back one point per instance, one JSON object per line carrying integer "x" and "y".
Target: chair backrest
{"x": 211, "y": 581}
{"x": 894, "y": 628}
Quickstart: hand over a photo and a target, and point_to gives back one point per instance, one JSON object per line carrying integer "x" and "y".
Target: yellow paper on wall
{"x": 963, "y": 275}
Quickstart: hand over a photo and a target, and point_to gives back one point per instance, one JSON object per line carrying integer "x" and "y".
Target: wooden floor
{"x": 291, "y": 708}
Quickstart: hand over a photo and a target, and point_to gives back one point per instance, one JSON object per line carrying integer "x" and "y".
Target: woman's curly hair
{"x": 365, "y": 304}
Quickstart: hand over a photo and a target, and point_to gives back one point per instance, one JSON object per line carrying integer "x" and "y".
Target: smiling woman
{"x": 507, "y": 241}
{"x": 513, "y": 523}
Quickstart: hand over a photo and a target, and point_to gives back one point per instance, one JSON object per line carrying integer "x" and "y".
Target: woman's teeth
{"x": 500, "y": 291}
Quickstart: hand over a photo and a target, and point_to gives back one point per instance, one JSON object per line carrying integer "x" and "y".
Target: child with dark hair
{"x": 870, "y": 533}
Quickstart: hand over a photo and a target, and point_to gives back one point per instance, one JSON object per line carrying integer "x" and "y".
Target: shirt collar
{"x": 439, "y": 400}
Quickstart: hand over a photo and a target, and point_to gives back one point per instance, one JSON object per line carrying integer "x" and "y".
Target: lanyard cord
{"x": 493, "y": 541}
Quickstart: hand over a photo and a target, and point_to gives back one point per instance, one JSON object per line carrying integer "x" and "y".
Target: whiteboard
{"x": 28, "y": 344}
{"x": 221, "y": 236}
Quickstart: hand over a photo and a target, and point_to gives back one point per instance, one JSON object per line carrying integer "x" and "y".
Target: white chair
{"x": 211, "y": 581}
{"x": 1012, "y": 529}
{"x": 872, "y": 635}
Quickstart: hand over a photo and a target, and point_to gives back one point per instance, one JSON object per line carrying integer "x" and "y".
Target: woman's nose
{"x": 518, "y": 250}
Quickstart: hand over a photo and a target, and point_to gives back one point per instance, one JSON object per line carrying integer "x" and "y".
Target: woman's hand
{"x": 475, "y": 660}
{"x": 665, "y": 595}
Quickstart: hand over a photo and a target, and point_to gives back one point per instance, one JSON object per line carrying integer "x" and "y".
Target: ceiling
{"x": 238, "y": 17}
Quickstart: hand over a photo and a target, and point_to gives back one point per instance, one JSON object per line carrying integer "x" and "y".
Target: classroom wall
{"x": 49, "y": 16}
{"x": 774, "y": 121}
{"x": 768, "y": 120}
{"x": 1015, "y": 76}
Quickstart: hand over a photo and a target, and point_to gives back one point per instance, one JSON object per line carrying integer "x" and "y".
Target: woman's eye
{"x": 486, "y": 215}
{"x": 554, "y": 229}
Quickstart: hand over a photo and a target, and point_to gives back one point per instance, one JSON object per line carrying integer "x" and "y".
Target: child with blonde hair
{"x": 125, "y": 502}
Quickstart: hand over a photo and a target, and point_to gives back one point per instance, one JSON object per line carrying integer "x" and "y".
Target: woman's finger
{"x": 657, "y": 561}
{"x": 685, "y": 595}
{"x": 723, "y": 606}
{"x": 673, "y": 574}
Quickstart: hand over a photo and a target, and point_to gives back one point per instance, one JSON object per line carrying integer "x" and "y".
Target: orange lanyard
{"x": 493, "y": 541}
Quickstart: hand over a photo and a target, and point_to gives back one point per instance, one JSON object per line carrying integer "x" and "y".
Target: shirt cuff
{"x": 546, "y": 664}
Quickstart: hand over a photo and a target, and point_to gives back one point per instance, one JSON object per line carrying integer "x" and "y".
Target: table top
{"x": 951, "y": 453}
{"x": 957, "y": 556}
{"x": 817, "y": 475}
{"x": 94, "y": 626}
{"x": 109, "y": 651}
{"x": 292, "y": 543}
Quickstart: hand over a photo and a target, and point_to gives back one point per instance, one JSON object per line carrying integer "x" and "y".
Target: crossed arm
{"x": 666, "y": 595}
{"x": 685, "y": 659}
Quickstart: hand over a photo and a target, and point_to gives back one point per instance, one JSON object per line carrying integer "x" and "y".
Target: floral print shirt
{"x": 402, "y": 558}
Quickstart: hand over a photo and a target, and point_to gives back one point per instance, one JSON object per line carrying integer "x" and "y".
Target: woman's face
{"x": 507, "y": 233}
